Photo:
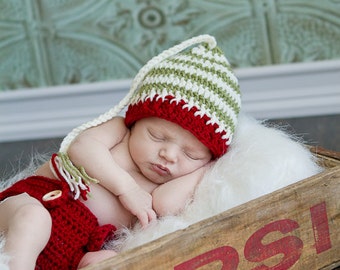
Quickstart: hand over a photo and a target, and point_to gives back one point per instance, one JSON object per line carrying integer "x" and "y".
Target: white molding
{"x": 283, "y": 91}
{"x": 292, "y": 90}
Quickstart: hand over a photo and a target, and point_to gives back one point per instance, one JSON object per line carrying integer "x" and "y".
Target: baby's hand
{"x": 139, "y": 203}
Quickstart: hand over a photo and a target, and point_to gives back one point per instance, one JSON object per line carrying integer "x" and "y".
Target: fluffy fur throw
{"x": 260, "y": 160}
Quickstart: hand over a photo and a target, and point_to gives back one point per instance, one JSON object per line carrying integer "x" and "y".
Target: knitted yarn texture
{"x": 75, "y": 230}
{"x": 190, "y": 84}
{"x": 196, "y": 90}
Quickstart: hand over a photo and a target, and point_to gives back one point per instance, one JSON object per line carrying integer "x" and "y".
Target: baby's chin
{"x": 158, "y": 179}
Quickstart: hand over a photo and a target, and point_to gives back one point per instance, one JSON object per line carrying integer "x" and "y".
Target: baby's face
{"x": 163, "y": 150}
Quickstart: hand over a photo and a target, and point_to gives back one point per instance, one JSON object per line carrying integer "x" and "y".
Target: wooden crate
{"x": 297, "y": 227}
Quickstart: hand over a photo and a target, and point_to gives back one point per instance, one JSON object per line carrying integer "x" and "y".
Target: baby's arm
{"x": 171, "y": 197}
{"x": 91, "y": 150}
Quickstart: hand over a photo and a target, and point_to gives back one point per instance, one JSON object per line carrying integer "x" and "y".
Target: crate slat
{"x": 296, "y": 227}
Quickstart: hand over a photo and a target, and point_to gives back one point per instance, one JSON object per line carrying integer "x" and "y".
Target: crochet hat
{"x": 195, "y": 89}
{"x": 190, "y": 84}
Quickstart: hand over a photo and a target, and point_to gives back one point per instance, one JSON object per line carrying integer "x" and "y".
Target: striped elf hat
{"x": 190, "y": 84}
{"x": 195, "y": 89}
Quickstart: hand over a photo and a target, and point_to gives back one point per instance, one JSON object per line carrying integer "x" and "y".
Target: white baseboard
{"x": 292, "y": 90}
{"x": 283, "y": 91}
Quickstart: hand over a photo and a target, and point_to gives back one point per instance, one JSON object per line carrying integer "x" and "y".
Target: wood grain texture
{"x": 297, "y": 227}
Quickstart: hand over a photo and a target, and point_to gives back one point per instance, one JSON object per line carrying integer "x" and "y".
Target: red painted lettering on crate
{"x": 319, "y": 219}
{"x": 254, "y": 251}
{"x": 290, "y": 246}
{"x": 227, "y": 255}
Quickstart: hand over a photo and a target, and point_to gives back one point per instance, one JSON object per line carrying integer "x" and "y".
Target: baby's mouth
{"x": 161, "y": 170}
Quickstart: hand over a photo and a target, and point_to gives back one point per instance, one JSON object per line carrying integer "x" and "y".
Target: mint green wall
{"x": 71, "y": 41}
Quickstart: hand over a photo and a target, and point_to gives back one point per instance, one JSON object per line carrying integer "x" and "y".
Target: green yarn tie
{"x": 76, "y": 172}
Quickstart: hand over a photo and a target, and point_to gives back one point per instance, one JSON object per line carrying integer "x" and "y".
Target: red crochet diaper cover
{"x": 75, "y": 230}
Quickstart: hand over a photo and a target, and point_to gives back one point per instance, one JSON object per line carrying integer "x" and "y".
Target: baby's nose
{"x": 169, "y": 153}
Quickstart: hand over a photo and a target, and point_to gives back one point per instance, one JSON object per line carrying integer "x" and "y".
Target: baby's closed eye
{"x": 156, "y": 136}
{"x": 192, "y": 155}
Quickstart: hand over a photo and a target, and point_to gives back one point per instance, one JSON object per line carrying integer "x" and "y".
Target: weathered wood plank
{"x": 297, "y": 227}
{"x": 326, "y": 158}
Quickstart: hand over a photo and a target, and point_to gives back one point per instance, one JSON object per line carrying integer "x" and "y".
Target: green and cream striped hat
{"x": 194, "y": 88}
{"x": 190, "y": 84}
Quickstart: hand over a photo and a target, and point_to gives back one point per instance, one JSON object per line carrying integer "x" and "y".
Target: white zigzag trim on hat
{"x": 213, "y": 118}
{"x": 222, "y": 126}
{"x": 209, "y": 76}
{"x": 228, "y": 137}
{"x": 207, "y": 64}
{"x": 190, "y": 86}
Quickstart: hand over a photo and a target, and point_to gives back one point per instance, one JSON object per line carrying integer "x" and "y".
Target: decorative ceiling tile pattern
{"x": 58, "y": 42}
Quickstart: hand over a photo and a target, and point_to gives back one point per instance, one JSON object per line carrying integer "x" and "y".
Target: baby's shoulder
{"x": 115, "y": 125}
{"x": 117, "y": 120}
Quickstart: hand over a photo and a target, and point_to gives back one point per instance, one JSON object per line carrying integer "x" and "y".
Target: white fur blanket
{"x": 260, "y": 160}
